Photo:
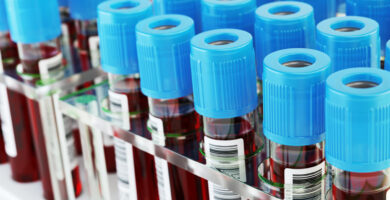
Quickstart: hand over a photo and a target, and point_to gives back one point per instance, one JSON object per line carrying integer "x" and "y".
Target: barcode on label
{"x": 50, "y": 65}
{"x": 119, "y": 106}
{"x": 156, "y": 127}
{"x": 164, "y": 185}
{"x": 94, "y": 49}
{"x": 6, "y": 123}
{"x": 125, "y": 170}
{"x": 71, "y": 147}
{"x": 227, "y": 156}
{"x": 305, "y": 183}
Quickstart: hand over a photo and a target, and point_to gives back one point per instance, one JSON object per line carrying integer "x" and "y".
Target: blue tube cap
{"x": 163, "y": 46}
{"x": 3, "y": 17}
{"x": 350, "y": 42}
{"x": 322, "y": 9}
{"x": 116, "y": 27}
{"x": 378, "y": 10}
{"x": 33, "y": 21}
{"x": 357, "y": 120}
{"x": 283, "y": 25}
{"x": 190, "y": 8}
{"x": 387, "y": 57}
{"x": 84, "y": 9}
{"x": 293, "y": 96}
{"x": 223, "y": 73}
{"x": 63, "y": 3}
{"x": 238, "y": 14}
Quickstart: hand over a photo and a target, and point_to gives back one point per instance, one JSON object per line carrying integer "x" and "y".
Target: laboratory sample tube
{"x": 387, "y": 58}
{"x": 224, "y": 84}
{"x": 190, "y": 8}
{"x": 357, "y": 133}
{"x": 129, "y": 107}
{"x": 84, "y": 12}
{"x": 322, "y": 9}
{"x": 350, "y": 42}
{"x": 35, "y": 26}
{"x": 294, "y": 125}
{"x": 238, "y": 14}
{"x": 163, "y": 47}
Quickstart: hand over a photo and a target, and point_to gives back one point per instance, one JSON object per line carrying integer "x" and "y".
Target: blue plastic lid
{"x": 33, "y": 21}
{"x": 190, "y": 8}
{"x": 116, "y": 27}
{"x": 283, "y": 25}
{"x": 63, "y": 3}
{"x": 357, "y": 120}
{"x": 378, "y": 10}
{"x": 84, "y": 9}
{"x": 223, "y": 73}
{"x": 387, "y": 57}
{"x": 261, "y": 2}
{"x": 350, "y": 42}
{"x": 3, "y": 17}
{"x": 238, "y": 14}
{"x": 293, "y": 96}
{"x": 323, "y": 9}
{"x": 163, "y": 46}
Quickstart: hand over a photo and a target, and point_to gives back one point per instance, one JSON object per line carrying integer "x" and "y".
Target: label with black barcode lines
{"x": 305, "y": 183}
{"x": 94, "y": 49}
{"x": 162, "y": 169}
{"x": 6, "y": 123}
{"x": 227, "y": 156}
{"x": 125, "y": 170}
{"x": 119, "y": 106}
{"x": 50, "y": 65}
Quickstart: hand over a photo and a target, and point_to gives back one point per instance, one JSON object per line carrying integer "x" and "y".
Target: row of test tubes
{"x": 284, "y": 97}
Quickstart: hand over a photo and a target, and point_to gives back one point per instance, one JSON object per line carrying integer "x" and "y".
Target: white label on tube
{"x": 227, "y": 156}
{"x": 119, "y": 106}
{"x": 125, "y": 170}
{"x": 6, "y": 123}
{"x": 388, "y": 195}
{"x": 95, "y": 52}
{"x": 108, "y": 140}
{"x": 156, "y": 127}
{"x": 297, "y": 183}
{"x": 70, "y": 141}
{"x": 1, "y": 64}
{"x": 50, "y": 133}
{"x": 49, "y": 66}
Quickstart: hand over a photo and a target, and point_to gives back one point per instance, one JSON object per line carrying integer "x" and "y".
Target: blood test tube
{"x": 283, "y": 25}
{"x": 350, "y": 42}
{"x": 37, "y": 36}
{"x": 14, "y": 118}
{"x": 322, "y": 9}
{"x": 8, "y": 60}
{"x": 117, "y": 20}
{"x": 387, "y": 61}
{"x": 190, "y": 8}
{"x": 378, "y": 10}
{"x": 163, "y": 46}
{"x": 84, "y": 12}
{"x": 294, "y": 94}
{"x": 238, "y": 14}
{"x": 224, "y": 84}
{"x": 357, "y": 133}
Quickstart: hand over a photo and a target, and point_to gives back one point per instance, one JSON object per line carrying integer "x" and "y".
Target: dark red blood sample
{"x": 366, "y": 186}
{"x": 9, "y": 55}
{"x": 3, "y": 154}
{"x": 183, "y": 135}
{"x": 32, "y": 66}
{"x": 24, "y": 166}
{"x": 77, "y": 141}
{"x": 309, "y": 156}
{"x": 39, "y": 140}
{"x": 109, "y": 154}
